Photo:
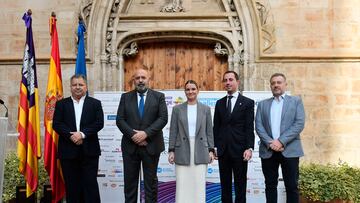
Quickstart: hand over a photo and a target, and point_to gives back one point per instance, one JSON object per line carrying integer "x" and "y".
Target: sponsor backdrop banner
{"x": 110, "y": 176}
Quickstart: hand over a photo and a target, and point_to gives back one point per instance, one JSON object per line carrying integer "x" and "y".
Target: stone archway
{"x": 236, "y": 25}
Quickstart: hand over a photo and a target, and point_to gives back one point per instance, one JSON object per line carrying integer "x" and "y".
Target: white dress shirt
{"x": 138, "y": 97}
{"x": 78, "y": 107}
{"x": 275, "y": 116}
{"x": 191, "y": 116}
{"x": 233, "y": 99}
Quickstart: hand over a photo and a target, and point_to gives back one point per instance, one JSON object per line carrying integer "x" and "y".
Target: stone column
{"x": 236, "y": 61}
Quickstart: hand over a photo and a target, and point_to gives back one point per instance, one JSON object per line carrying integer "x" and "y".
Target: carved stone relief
{"x": 173, "y": 6}
{"x": 131, "y": 51}
{"x": 85, "y": 10}
{"x": 231, "y": 5}
{"x": 220, "y": 51}
{"x": 267, "y": 26}
{"x": 109, "y": 31}
{"x": 84, "y": 16}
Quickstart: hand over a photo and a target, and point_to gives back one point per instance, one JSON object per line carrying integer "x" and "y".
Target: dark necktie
{"x": 141, "y": 105}
{"x": 229, "y": 104}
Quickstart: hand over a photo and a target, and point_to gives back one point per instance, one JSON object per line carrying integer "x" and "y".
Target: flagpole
{"x": 54, "y": 93}
{"x": 28, "y": 113}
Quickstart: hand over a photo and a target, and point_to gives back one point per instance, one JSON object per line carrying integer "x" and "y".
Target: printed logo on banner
{"x": 110, "y": 160}
{"x": 116, "y": 150}
{"x": 111, "y": 117}
{"x": 106, "y": 139}
{"x": 208, "y": 101}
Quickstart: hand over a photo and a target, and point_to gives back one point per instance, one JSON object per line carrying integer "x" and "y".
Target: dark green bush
{"x": 328, "y": 182}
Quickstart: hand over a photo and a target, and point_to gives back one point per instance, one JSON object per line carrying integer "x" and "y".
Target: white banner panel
{"x": 110, "y": 176}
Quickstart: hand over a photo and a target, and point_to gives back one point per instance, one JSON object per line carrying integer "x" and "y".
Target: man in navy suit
{"x": 234, "y": 138}
{"x": 279, "y": 121}
{"x": 141, "y": 116}
{"x": 77, "y": 120}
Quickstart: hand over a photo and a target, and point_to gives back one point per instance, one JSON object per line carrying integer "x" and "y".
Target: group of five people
{"x": 194, "y": 141}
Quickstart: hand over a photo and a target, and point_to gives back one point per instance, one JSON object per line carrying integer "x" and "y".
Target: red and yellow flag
{"x": 54, "y": 93}
{"x": 28, "y": 114}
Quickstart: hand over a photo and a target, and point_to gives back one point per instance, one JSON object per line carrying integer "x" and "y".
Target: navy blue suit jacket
{"x": 234, "y": 132}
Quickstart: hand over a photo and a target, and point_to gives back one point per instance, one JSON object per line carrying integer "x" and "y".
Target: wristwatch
{"x": 251, "y": 149}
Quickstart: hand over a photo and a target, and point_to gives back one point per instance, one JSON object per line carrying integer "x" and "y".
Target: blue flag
{"x": 80, "y": 60}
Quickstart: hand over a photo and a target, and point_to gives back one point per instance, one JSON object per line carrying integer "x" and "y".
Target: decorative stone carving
{"x": 237, "y": 22}
{"x": 220, "y": 51}
{"x": 109, "y": 32}
{"x": 267, "y": 26}
{"x": 132, "y": 51}
{"x": 114, "y": 59}
{"x": 85, "y": 10}
{"x": 231, "y": 5}
{"x": 115, "y": 6}
{"x": 173, "y": 6}
{"x": 84, "y": 16}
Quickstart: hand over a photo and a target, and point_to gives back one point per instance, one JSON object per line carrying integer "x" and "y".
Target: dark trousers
{"x": 290, "y": 172}
{"x": 80, "y": 176}
{"x": 132, "y": 163}
{"x": 228, "y": 166}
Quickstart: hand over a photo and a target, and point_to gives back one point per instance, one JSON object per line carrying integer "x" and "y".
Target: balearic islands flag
{"x": 54, "y": 93}
{"x": 28, "y": 114}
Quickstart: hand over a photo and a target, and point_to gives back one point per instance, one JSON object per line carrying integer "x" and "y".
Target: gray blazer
{"x": 179, "y": 135}
{"x": 292, "y": 123}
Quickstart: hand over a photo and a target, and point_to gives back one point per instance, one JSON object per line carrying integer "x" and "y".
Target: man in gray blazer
{"x": 279, "y": 122}
{"x": 141, "y": 116}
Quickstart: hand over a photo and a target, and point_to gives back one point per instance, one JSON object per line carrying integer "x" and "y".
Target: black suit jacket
{"x": 154, "y": 120}
{"x": 234, "y": 132}
{"x": 92, "y": 121}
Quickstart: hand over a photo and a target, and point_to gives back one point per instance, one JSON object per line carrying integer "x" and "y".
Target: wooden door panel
{"x": 171, "y": 64}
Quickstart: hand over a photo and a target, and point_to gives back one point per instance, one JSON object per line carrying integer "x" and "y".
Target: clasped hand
{"x": 76, "y": 138}
{"x": 277, "y": 146}
{"x": 139, "y": 137}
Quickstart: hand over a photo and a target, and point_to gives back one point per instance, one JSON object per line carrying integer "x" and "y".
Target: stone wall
{"x": 317, "y": 48}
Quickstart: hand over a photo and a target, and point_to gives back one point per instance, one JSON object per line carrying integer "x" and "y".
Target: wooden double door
{"x": 171, "y": 64}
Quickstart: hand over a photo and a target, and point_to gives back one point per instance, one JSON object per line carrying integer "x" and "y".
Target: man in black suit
{"x": 141, "y": 116}
{"x": 234, "y": 138}
{"x": 77, "y": 120}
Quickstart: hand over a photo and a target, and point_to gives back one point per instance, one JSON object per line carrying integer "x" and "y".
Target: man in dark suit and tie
{"x": 279, "y": 121}
{"x": 234, "y": 138}
{"x": 141, "y": 116}
{"x": 77, "y": 120}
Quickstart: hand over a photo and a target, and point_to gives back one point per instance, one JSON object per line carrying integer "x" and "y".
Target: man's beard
{"x": 141, "y": 88}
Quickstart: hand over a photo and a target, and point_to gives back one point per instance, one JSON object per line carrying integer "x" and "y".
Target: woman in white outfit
{"x": 191, "y": 146}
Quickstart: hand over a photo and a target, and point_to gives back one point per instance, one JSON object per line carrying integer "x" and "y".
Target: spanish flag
{"x": 54, "y": 93}
{"x": 28, "y": 114}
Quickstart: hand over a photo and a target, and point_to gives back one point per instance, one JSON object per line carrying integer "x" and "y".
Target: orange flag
{"x": 54, "y": 93}
{"x": 28, "y": 114}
